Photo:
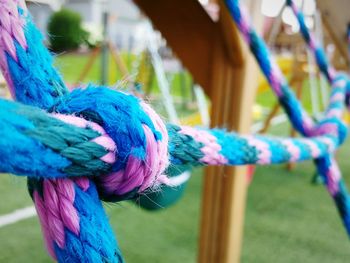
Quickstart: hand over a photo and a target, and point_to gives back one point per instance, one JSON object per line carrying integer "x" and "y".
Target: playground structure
{"x": 220, "y": 209}
{"x": 147, "y": 68}
{"x": 218, "y": 44}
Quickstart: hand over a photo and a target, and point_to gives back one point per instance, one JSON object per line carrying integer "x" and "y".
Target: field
{"x": 288, "y": 219}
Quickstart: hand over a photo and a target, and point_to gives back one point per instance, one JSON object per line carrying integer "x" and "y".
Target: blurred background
{"x": 289, "y": 216}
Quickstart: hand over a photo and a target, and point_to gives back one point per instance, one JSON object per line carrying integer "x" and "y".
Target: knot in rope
{"x": 135, "y": 135}
{"x": 334, "y": 127}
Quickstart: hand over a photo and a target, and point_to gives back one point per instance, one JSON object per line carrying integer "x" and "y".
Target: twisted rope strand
{"x": 300, "y": 119}
{"x": 327, "y": 167}
{"x": 314, "y": 45}
{"x": 186, "y": 146}
{"x": 318, "y": 51}
{"x": 28, "y": 68}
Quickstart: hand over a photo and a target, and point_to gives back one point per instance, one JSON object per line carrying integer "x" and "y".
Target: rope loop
{"x": 139, "y": 134}
{"x": 334, "y": 127}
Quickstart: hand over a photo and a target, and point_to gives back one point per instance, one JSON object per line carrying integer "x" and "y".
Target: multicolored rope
{"x": 320, "y": 56}
{"x": 73, "y": 221}
{"x": 297, "y": 115}
{"x": 326, "y": 166}
{"x": 100, "y": 144}
{"x": 70, "y": 146}
{"x": 317, "y": 50}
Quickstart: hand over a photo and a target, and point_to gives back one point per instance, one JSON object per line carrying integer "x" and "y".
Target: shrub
{"x": 65, "y": 31}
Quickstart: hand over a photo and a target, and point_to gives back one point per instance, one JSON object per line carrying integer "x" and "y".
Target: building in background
{"x": 126, "y": 23}
{"x": 89, "y": 10}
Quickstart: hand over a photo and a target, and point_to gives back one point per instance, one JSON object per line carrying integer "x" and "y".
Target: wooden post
{"x": 269, "y": 118}
{"x": 116, "y": 55}
{"x": 218, "y": 60}
{"x": 298, "y": 82}
{"x": 224, "y": 191}
{"x": 335, "y": 19}
{"x": 92, "y": 58}
{"x": 104, "y": 50}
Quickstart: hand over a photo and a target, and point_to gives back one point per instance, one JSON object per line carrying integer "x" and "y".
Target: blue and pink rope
{"x": 74, "y": 223}
{"x": 327, "y": 167}
{"x": 78, "y": 148}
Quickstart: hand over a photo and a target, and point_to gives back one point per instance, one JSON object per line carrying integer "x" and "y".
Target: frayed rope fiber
{"x": 78, "y": 148}
{"x": 327, "y": 167}
{"x": 27, "y": 66}
{"x": 83, "y": 145}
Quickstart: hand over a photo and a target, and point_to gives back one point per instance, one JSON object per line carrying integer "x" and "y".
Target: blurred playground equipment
{"x": 286, "y": 65}
{"x": 223, "y": 199}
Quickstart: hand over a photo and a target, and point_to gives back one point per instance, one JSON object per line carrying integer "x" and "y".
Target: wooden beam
{"x": 270, "y": 116}
{"x": 224, "y": 190}
{"x": 92, "y": 58}
{"x": 336, "y": 40}
{"x": 188, "y": 30}
{"x": 214, "y": 54}
{"x": 334, "y": 15}
{"x": 232, "y": 43}
{"x": 191, "y": 33}
{"x": 118, "y": 59}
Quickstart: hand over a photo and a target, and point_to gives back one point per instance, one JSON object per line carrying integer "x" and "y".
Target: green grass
{"x": 166, "y": 236}
{"x": 267, "y": 98}
{"x": 14, "y": 194}
{"x": 71, "y": 66}
{"x": 287, "y": 218}
{"x": 290, "y": 220}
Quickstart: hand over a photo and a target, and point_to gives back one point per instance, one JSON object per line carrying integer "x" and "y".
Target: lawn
{"x": 288, "y": 219}
{"x": 71, "y": 66}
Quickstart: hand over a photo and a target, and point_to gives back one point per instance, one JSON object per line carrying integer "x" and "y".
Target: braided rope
{"x": 82, "y": 150}
{"x": 25, "y": 62}
{"x": 314, "y": 45}
{"x": 317, "y": 50}
{"x": 27, "y": 67}
{"x": 326, "y": 165}
{"x": 48, "y": 147}
{"x": 297, "y": 115}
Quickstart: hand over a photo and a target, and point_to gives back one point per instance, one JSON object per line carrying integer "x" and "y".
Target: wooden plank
{"x": 92, "y": 58}
{"x": 337, "y": 42}
{"x": 224, "y": 190}
{"x": 335, "y": 19}
{"x": 190, "y": 32}
{"x": 214, "y": 54}
{"x": 231, "y": 41}
{"x": 118, "y": 60}
{"x": 269, "y": 118}
{"x": 212, "y": 183}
